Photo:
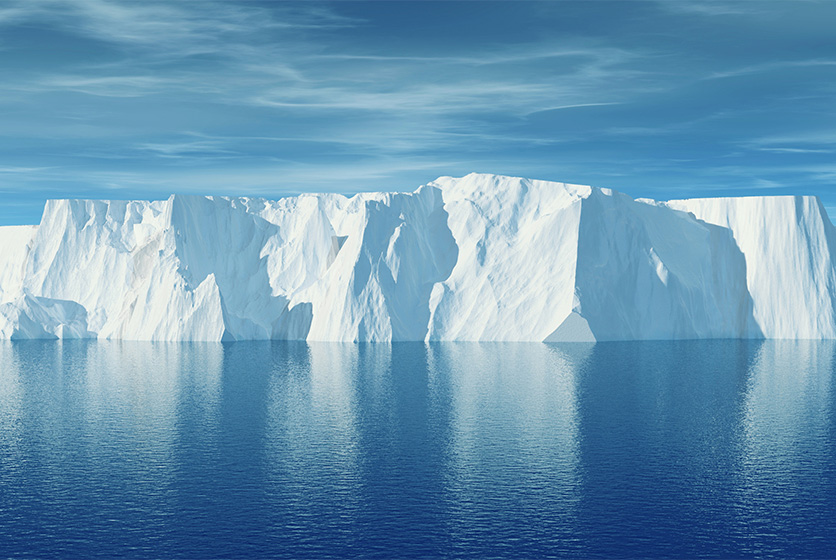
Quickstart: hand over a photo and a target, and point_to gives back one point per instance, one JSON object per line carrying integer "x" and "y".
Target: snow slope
{"x": 482, "y": 257}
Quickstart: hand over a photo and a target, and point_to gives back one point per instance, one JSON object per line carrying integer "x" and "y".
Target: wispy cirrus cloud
{"x": 796, "y": 150}
{"x": 718, "y": 8}
{"x": 804, "y": 142}
{"x": 455, "y": 88}
{"x": 167, "y": 28}
{"x": 211, "y": 148}
{"x": 772, "y": 66}
{"x": 100, "y": 86}
{"x": 165, "y": 96}
{"x": 250, "y": 64}
{"x": 27, "y": 170}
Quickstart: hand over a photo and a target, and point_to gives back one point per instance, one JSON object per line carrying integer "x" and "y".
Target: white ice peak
{"x": 482, "y": 257}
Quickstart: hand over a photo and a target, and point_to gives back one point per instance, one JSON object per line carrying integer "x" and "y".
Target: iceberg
{"x": 480, "y": 258}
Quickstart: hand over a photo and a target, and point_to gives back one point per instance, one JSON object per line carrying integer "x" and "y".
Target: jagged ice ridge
{"x": 482, "y": 257}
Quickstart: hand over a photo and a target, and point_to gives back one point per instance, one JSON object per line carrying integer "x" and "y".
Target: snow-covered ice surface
{"x": 482, "y": 257}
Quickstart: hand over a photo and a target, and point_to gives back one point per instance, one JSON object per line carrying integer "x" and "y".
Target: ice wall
{"x": 482, "y": 257}
{"x": 788, "y": 243}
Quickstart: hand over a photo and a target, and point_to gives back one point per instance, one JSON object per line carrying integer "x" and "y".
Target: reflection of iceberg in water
{"x": 135, "y": 393}
{"x": 657, "y": 449}
{"x": 98, "y": 432}
{"x": 786, "y": 426}
{"x": 788, "y": 397}
{"x": 657, "y": 446}
{"x": 514, "y": 432}
{"x": 50, "y": 382}
{"x": 11, "y": 409}
{"x": 311, "y": 434}
{"x": 138, "y": 387}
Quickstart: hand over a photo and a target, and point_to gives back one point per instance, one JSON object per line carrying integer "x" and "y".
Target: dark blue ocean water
{"x": 660, "y": 449}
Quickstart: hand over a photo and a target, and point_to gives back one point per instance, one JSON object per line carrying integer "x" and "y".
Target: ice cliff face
{"x": 789, "y": 245}
{"x": 481, "y": 257}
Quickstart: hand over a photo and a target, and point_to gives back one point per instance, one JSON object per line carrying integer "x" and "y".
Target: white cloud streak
{"x": 169, "y": 28}
{"x": 771, "y": 67}
{"x": 275, "y": 60}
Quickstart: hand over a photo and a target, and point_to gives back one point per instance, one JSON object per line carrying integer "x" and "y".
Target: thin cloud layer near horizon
{"x": 116, "y": 99}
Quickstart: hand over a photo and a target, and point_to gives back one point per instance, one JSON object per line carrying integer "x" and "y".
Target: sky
{"x": 669, "y": 99}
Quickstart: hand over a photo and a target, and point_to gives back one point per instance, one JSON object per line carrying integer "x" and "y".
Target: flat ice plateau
{"x": 482, "y": 257}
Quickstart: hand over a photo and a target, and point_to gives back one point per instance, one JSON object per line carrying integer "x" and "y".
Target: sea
{"x": 683, "y": 449}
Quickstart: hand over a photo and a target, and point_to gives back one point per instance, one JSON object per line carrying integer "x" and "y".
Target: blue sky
{"x": 116, "y": 99}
